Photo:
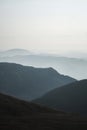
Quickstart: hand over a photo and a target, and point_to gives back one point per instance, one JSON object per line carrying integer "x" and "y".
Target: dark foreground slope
{"x": 29, "y": 82}
{"x": 71, "y": 98}
{"x": 19, "y": 115}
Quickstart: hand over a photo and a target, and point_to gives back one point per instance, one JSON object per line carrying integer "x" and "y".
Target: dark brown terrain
{"x": 20, "y": 115}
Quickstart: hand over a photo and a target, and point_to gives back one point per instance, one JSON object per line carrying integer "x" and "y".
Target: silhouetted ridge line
{"x": 29, "y": 83}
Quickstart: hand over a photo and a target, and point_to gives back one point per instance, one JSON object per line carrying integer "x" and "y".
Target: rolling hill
{"x": 20, "y": 115}
{"x": 71, "y": 98}
{"x": 28, "y": 82}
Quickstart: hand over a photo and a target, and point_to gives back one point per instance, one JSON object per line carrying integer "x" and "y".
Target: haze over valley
{"x": 74, "y": 67}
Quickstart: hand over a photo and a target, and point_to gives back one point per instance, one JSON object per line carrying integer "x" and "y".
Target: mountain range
{"x": 74, "y": 67}
{"x": 29, "y": 83}
{"x": 42, "y": 98}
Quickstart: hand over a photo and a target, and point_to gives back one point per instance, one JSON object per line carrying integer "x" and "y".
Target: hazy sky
{"x": 54, "y": 25}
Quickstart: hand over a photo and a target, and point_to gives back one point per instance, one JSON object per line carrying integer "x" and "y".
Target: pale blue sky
{"x": 44, "y": 25}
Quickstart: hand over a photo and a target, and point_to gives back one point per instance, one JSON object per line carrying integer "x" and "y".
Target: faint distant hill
{"x": 14, "y": 52}
{"x": 28, "y": 82}
{"x": 71, "y": 98}
{"x": 20, "y": 115}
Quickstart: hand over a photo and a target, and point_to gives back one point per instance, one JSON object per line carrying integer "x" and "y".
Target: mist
{"x": 44, "y": 26}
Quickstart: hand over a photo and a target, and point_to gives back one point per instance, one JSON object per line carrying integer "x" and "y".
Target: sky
{"x": 44, "y": 25}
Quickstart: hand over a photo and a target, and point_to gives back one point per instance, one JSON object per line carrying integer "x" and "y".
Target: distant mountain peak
{"x": 14, "y": 52}
{"x": 17, "y": 49}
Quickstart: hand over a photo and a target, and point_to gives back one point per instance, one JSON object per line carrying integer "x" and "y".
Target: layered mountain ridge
{"x": 28, "y": 82}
